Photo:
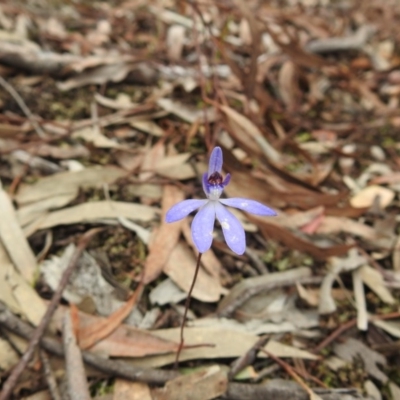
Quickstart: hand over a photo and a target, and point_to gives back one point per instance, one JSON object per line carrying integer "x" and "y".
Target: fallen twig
{"x": 23, "y": 106}
{"x": 335, "y": 334}
{"x": 49, "y": 376}
{"x": 247, "y": 358}
{"x": 293, "y": 374}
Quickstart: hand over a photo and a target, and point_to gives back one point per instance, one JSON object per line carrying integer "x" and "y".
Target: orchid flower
{"x": 214, "y": 207}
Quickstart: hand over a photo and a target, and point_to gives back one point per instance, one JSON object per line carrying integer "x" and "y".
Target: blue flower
{"x": 214, "y": 207}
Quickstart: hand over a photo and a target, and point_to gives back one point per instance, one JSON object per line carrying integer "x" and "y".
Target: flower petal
{"x": 250, "y": 206}
{"x": 215, "y": 163}
{"x": 203, "y": 226}
{"x": 205, "y": 183}
{"x": 232, "y": 229}
{"x": 183, "y": 209}
{"x": 226, "y": 180}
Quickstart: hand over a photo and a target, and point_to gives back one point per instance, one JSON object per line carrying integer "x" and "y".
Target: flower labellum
{"x": 214, "y": 207}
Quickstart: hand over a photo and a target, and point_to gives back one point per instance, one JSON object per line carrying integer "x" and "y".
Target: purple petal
{"x": 250, "y": 206}
{"x": 205, "y": 183}
{"x": 232, "y": 229}
{"x": 203, "y": 226}
{"x": 226, "y": 180}
{"x": 215, "y": 163}
{"x": 183, "y": 209}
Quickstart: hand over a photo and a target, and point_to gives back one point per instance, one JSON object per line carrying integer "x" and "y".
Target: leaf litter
{"x": 107, "y": 115}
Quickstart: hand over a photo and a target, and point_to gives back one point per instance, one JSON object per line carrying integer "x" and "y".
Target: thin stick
{"x": 187, "y": 304}
{"x": 347, "y": 325}
{"x": 23, "y": 107}
{"x": 334, "y": 335}
{"x": 11, "y": 381}
{"x": 292, "y": 373}
{"x": 49, "y": 376}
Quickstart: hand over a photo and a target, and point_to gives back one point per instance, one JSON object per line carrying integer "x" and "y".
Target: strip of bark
{"x": 76, "y": 375}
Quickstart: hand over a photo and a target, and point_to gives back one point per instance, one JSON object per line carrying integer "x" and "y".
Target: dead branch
{"x": 49, "y": 376}
{"x": 248, "y": 358}
{"x": 23, "y": 106}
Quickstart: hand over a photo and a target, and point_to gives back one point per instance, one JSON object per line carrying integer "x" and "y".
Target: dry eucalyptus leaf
{"x": 227, "y": 343}
{"x": 93, "y": 135}
{"x": 28, "y": 213}
{"x": 335, "y": 225}
{"x": 147, "y": 126}
{"x": 180, "y": 268}
{"x": 32, "y": 305}
{"x": 67, "y": 182}
{"x": 335, "y": 266}
{"x": 14, "y": 240}
{"x": 245, "y": 131}
{"x": 125, "y": 340}
{"x": 374, "y": 280}
{"x": 35, "y": 162}
{"x": 205, "y": 384}
{"x": 310, "y": 297}
{"x": 367, "y": 196}
{"x": 143, "y": 234}
{"x": 167, "y": 292}
{"x": 396, "y": 254}
{"x": 289, "y": 322}
{"x": 122, "y": 102}
{"x": 289, "y": 84}
{"x": 176, "y": 167}
{"x": 6, "y": 292}
{"x": 150, "y": 160}
{"x": 354, "y": 348}
{"x": 391, "y": 327}
{"x": 372, "y": 390}
{"x": 175, "y": 42}
{"x": 326, "y": 303}
{"x": 99, "y": 75}
{"x": 285, "y": 351}
{"x": 92, "y": 212}
{"x": 127, "y": 390}
{"x": 9, "y": 357}
{"x": 298, "y": 219}
{"x": 188, "y": 114}
{"x": 166, "y": 238}
{"x": 394, "y": 390}
{"x": 251, "y": 286}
